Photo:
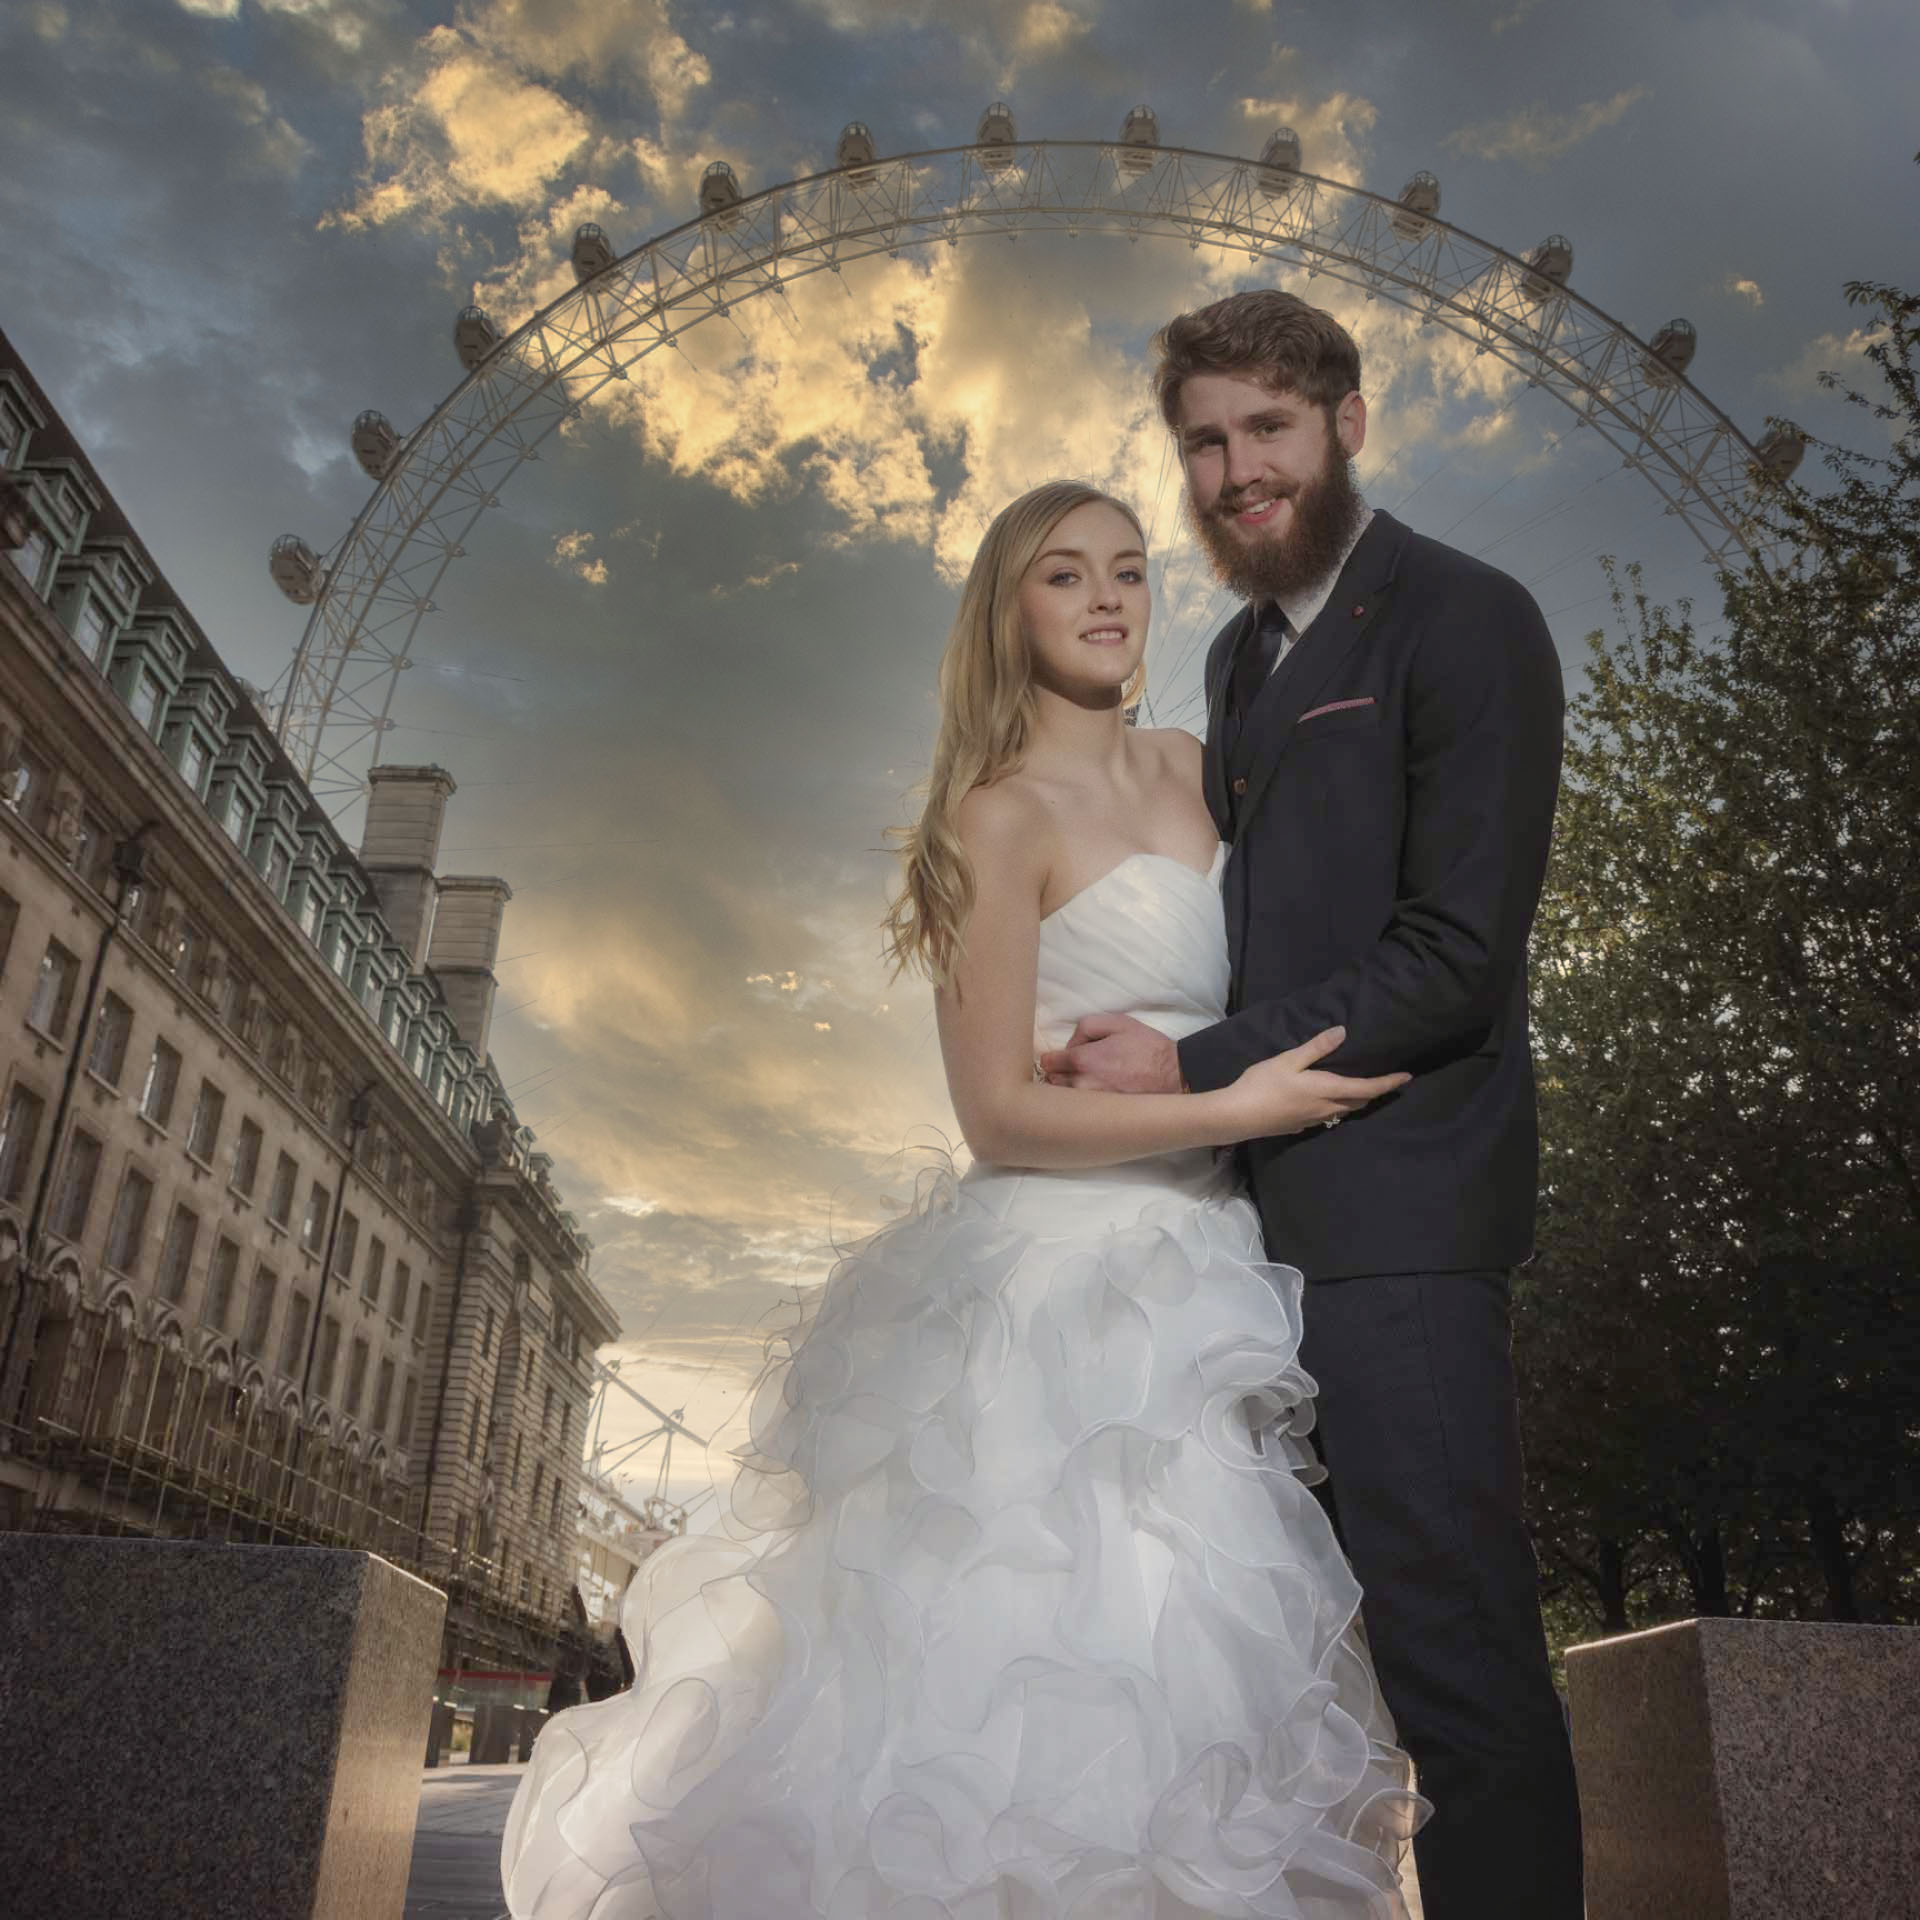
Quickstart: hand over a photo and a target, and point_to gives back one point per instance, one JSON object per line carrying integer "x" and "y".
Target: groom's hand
{"x": 1114, "y": 1053}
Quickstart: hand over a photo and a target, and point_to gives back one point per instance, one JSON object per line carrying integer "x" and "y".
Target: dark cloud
{"x": 681, "y": 744}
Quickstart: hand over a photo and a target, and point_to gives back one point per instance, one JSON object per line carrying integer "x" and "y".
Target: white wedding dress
{"x": 1025, "y": 1609}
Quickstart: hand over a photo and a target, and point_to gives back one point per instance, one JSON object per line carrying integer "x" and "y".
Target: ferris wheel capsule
{"x": 1419, "y": 201}
{"x": 296, "y": 569}
{"x": 856, "y": 153}
{"x": 1548, "y": 266}
{"x": 474, "y": 336}
{"x": 375, "y": 444}
{"x": 1670, "y": 352}
{"x": 1139, "y": 136}
{"x": 1776, "y": 457}
{"x": 1279, "y": 162}
{"x": 995, "y": 137}
{"x": 719, "y": 195}
{"x": 592, "y": 251}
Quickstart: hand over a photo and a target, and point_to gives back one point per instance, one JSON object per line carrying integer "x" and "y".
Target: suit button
{"x": 1239, "y": 788}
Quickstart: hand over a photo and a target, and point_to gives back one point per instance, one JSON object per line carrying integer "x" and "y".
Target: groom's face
{"x": 1269, "y": 484}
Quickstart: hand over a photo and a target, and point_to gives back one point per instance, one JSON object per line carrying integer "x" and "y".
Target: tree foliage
{"x": 1719, "y": 1342}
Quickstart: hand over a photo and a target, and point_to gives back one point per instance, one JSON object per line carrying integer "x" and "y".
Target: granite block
{"x": 202, "y": 1732}
{"x": 1748, "y": 1770}
{"x": 439, "y": 1734}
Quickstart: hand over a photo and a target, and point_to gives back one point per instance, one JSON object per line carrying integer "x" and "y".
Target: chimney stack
{"x": 466, "y": 942}
{"x": 399, "y": 845}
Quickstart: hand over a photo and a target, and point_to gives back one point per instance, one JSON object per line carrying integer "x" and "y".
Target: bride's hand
{"x": 1288, "y": 1094}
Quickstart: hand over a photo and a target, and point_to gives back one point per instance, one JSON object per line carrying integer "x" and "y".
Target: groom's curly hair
{"x": 1270, "y": 336}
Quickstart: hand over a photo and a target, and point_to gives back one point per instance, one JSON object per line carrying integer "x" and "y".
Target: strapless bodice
{"x": 1147, "y": 938}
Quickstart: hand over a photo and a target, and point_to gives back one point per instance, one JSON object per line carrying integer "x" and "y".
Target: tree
{"x": 1720, "y": 1338}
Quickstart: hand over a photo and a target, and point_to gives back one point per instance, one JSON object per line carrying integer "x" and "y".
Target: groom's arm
{"x": 1484, "y": 706}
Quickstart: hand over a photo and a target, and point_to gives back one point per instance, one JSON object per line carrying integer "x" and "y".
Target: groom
{"x": 1382, "y": 753}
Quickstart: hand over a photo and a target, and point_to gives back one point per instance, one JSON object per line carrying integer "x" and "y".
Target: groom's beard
{"x": 1326, "y": 510}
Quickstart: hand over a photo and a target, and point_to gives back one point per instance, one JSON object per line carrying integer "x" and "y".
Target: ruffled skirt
{"x": 1025, "y": 1609}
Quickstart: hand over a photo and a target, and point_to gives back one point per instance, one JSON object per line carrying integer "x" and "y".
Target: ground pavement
{"x": 456, "y": 1845}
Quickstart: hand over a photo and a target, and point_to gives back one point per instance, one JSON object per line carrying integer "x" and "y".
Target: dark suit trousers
{"x": 1419, "y": 1430}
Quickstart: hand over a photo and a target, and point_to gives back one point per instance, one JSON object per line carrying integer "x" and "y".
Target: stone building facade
{"x": 277, "y": 1261}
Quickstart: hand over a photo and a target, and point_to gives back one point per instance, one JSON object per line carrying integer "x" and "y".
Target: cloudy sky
{"x": 684, "y": 680}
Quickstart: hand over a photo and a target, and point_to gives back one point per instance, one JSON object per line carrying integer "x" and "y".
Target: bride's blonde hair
{"x": 986, "y": 720}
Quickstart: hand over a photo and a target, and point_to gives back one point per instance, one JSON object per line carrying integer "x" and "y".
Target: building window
{"x": 203, "y": 1131}
{"x": 526, "y": 1582}
{"x": 329, "y": 1356}
{"x": 314, "y": 1226}
{"x": 246, "y": 1156}
{"x": 279, "y": 867}
{"x": 31, "y": 556}
{"x": 356, "y": 1376}
{"x": 408, "y": 1394}
{"x": 145, "y": 703}
{"x": 293, "y": 1342}
{"x": 222, "y": 1271}
{"x": 513, "y": 1478}
{"x": 185, "y": 957}
{"x": 346, "y": 1245}
{"x": 193, "y": 759}
{"x": 382, "y": 1394}
{"x": 422, "y": 1309}
{"x": 76, "y": 1187}
{"x": 259, "y": 1312}
{"x": 280, "y": 1201}
{"x": 546, "y": 1413}
{"x": 553, "y": 1508}
{"x": 107, "y": 1057}
{"x": 375, "y": 1269}
{"x": 53, "y": 991}
{"x": 176, "y": 1253}
{"x": 473, "y": 1431}
{"x": 539, "y": 1478}
{"x": 310, "y": 911}
{"x": 19, "y": 1129}
{"x": 163, "y": 1078}
{"x": 566, "y": 1427}
{"x": 402, "y": 1283}
{"x": 9, "y": 919}
{"x": 486, "y": 1333}
{"x": 129, "y": 1223}
{"x": 95, "y": 632}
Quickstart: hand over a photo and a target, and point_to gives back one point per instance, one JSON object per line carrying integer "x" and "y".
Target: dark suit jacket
{"x": 1400, "y": 770}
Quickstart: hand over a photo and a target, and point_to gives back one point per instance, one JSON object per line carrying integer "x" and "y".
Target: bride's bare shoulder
{"x": 1179, "y": 750}
{"x": 1008, "y": 826}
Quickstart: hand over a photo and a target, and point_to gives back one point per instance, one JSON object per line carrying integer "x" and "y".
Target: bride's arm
{"x": 986, "y": 1033}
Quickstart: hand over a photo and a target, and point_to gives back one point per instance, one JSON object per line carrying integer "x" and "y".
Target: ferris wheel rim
{"x": 892, "y": 230}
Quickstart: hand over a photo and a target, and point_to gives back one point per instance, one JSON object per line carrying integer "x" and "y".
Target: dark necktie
{"x": 1253, "y": 667}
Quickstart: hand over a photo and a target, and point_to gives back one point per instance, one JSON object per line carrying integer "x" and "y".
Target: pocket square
{"x": 1334, "y": 706}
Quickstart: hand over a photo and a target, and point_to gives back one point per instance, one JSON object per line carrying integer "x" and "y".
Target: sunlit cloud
{"x": 1536, "y": 135}
{"x": 471, "y": 128}
{"x": 1748, "y": 290}
{"x": 573, "y": 553}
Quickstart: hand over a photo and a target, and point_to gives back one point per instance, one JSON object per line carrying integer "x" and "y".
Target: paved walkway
{"x": 456, "y": 1843}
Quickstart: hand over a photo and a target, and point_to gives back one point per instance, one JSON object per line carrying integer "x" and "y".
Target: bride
{"x": 1024, "y": 1609}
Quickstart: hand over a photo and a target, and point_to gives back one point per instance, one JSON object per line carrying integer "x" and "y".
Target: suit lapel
{"x": 1226, "y": 650}
{"x": 1360, "y": 596}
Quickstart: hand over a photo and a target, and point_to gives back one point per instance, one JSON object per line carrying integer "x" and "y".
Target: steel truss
{"x": 379, "y": 581}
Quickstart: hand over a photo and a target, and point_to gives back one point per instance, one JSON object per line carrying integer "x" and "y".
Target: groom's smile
{"x": 1269, "y": 485}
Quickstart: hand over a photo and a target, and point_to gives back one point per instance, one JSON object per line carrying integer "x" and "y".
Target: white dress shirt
{"x": 1302, "y": 608}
